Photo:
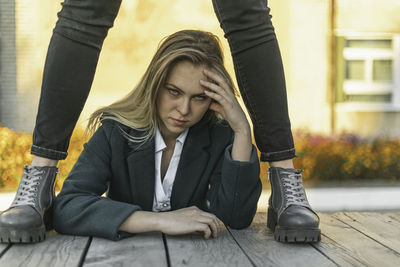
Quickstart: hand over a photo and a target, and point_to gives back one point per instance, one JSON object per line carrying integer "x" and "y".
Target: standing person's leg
{"x": 259, "y": 72}
{"x": 68, "y": 74}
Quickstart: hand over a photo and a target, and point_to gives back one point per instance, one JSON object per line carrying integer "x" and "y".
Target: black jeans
{"x": 74, "y": 51}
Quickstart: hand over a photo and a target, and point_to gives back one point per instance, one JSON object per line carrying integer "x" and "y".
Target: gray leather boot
{"x": 290, "y": 216}
{"x": 30, "y": 213}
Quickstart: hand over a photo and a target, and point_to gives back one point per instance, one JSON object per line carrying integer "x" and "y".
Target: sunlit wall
{"x": 127, "y": 50}
{"x": 302, "y": 28}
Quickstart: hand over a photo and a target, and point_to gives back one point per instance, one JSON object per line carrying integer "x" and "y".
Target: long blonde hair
{"x": 138, "y": 108}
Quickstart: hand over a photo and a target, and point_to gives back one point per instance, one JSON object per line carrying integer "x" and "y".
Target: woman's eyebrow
{"x": 179, "y": 89}
{"x": 173, "y": 85}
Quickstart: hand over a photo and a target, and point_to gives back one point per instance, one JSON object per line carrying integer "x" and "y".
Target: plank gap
{"x": 259, "y": 244}
{"x": 84, "y": 252}
{"x": 5, "y": 249}
{"x": 320, "y": 251}
{"x": 337, "y": 242}
{"x": 166, "y": 250}
{"x": 251, "y": 261}
{"x": 370, "y": 237}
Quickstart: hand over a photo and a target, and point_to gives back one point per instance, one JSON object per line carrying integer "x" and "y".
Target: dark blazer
{"x": 207, "y": 177}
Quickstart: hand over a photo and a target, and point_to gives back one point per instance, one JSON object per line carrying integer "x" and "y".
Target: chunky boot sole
{"x": 33, "y": 235}
{"x": 291, "y": 235}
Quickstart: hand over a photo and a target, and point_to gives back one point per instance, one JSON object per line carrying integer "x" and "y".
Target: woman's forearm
{"x": 182, "y": 221}
{"x": 140, "y": 222}
{"x": 241, "y": 148}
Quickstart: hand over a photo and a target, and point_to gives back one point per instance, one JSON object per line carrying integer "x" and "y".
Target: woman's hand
{"x": 177, "y": 222}
{"x": 226, "y": 104}
{"x": 189, "y": 220}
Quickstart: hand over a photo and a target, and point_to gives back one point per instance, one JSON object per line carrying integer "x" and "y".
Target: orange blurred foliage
{"x": 323, "y": 158}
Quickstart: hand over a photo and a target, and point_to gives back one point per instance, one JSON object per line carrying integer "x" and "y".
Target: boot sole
{"x": 8, "y": 235}
{"x": 34, "y": 235}
{"x": 291, "y": 235}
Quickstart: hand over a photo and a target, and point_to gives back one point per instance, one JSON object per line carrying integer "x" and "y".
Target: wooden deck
{"x": 348, "y": 239}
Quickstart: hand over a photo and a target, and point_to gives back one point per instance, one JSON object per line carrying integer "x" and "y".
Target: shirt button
{"x": 165, "y": 205}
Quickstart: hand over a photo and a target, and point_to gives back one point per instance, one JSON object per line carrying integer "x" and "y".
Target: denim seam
{"x": 50, "y": 150}
{"x": 277, "y": 156}
{"x": 250, "y": 106}
{"x": 277, "y": 152}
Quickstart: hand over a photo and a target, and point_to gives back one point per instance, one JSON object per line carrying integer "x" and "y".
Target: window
{"x": 368, "y": 70}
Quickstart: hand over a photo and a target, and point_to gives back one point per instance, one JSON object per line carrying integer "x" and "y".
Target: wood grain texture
{"x": 348, "y": 239}
{"x": 348, "y": 247}
{"x": 259, "y": 244}
{"x": 379, "y": 227}
{"x": 145, "y": 249}
{"x": 393, "y": 215}
{"x": 56, "y": 250}
{"x": 194, "y": 250}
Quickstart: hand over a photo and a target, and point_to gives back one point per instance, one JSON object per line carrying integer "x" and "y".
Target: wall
{"x": 301, "y": 27}
{"x": 8, "y": 75}
{"x": 302, "y": 30}
{"x": 127, "y": 50}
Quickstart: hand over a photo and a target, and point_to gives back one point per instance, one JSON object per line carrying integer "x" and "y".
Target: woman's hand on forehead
{"x": 225, "y": 102}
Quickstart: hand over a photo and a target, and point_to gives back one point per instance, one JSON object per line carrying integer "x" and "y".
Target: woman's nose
{"x": 184, "y": 107}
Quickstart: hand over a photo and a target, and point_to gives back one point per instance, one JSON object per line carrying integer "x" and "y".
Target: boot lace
{"x": 294, "y": 190}
{"x": 27, "y": 190}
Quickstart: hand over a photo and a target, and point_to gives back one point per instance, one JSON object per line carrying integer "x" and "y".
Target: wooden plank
{"x": 259, "y": 244}
{"x": 56, "y": 250}
{"x": 3, "y": 248}
{"x": 145, "y": 249}
{"x": 348, "y": 247}
{"x": 194, "y": 250}
{"x": 380, "y": 227}
{"x": 393, "y": 215}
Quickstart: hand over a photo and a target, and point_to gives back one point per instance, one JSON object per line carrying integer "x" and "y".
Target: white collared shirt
{"x": 163, "y": 190}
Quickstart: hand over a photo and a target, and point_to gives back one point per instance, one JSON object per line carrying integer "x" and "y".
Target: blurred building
{"x": 357, "y": 42}
{"x": 341, "y": 57}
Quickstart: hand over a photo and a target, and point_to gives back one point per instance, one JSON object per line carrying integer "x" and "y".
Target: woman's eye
{"x": 200, "y": 97}
{"x": 173, "y": 91}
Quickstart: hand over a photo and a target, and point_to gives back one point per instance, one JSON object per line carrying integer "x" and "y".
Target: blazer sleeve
{"x": 235, "y": 188}
{"x": 80, "y": 208}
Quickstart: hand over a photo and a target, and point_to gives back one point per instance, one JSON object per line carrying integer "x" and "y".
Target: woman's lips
{"x": 178, "y": 122}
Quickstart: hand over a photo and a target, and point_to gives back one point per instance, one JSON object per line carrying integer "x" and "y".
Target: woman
{"x": 164, "y": 148}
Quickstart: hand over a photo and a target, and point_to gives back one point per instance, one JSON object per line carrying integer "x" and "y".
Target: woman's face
{"x": 181, "y": 102}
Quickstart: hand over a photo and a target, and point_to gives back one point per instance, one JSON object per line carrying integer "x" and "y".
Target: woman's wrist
{"x": 242, "y": 147}
{"x": 141, "y": 221}
{"x": 243, "y": 129}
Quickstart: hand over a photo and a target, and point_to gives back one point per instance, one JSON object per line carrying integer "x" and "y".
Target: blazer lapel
{"x": 141, "y": 164}
{"x": 191, "y": 166}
